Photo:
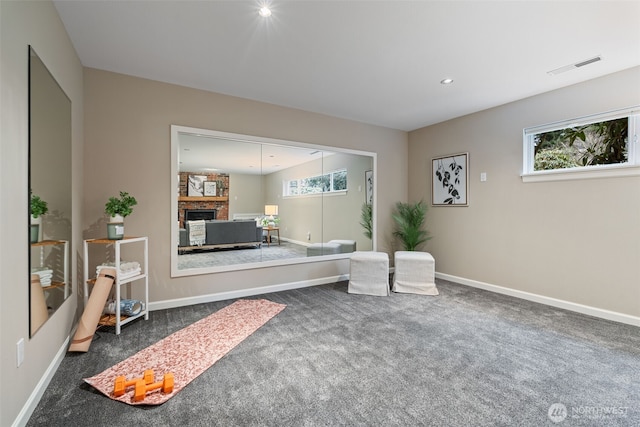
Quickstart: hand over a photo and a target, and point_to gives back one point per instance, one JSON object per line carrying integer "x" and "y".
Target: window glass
{"x": 327, "y": 183}
{"x": 601, "y": 143}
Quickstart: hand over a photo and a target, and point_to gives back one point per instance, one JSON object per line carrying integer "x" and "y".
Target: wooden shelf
{"x": 54, "y": 285}
{"x": 202, "y": 199}
{"x": 105, "y": 241}
{"x": 48, "y": 243}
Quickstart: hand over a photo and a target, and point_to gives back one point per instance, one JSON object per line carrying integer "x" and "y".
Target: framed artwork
{"x": 368, "y": 185}
{"x": 195, "y": 186}
{"x": 209, "y": 188}
{"x": 450, "y": 180}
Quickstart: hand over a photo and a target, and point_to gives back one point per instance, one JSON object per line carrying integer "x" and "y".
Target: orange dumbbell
{"x": 166, "y": 385}
{"x": 120, "y": 384}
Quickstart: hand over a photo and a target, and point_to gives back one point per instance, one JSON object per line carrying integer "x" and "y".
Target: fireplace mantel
{"x": 203, "y": 199}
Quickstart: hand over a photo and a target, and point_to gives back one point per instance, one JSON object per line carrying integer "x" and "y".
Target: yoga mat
{"x": 93, "y": 311}
{"x": 190, "y": 351}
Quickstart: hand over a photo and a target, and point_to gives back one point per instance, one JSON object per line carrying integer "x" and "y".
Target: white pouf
{"x": 414, "y": 273}
{"x": 318, "y": 249}
{"x": 369, "y": 273}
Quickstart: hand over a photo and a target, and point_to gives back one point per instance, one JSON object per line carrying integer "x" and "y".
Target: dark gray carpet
{"x": 222, "y": 257}
{"x": 466, "y": 358}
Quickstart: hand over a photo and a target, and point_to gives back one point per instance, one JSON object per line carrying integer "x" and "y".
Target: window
{"x": 328, "y": 183}
{"x": 599, "y": 145}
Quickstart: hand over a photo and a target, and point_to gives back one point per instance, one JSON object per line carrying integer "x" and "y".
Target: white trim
{"x": 182, "y": 272}
{"x": 35, "y": 396}
{"x": 553, "y": 302}
{"x": 221, "y": 296}
{"x": 615, "y": 171}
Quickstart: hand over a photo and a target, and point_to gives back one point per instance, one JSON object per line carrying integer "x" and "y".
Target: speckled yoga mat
{"x": 190, "y": 351}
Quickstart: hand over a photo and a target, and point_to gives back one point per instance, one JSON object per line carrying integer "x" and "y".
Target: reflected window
{"x": 326, "y": 183}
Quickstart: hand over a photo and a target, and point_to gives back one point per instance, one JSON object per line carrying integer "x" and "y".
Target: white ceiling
{"x": 378, "y": 62}
{"x": 206, "y": 154}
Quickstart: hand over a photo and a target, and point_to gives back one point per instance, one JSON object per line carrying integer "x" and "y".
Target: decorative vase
{"x": 115, "y": 228}
{"x": 35, "y": 229}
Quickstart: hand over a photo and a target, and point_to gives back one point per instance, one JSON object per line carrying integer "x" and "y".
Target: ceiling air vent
{"x": 574, "y": 66}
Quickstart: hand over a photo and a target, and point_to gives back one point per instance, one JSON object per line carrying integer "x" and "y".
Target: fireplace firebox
{"x": 197, "y": 214}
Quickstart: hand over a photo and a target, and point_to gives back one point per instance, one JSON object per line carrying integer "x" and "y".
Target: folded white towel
{"x": 121, "y": 274}
{"x": 124, "y": 265}
{"x": 128, "y": 307}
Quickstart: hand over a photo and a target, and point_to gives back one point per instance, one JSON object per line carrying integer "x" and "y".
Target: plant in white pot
{"x": 118, "y": 208}
{"x": 38, "y": 208}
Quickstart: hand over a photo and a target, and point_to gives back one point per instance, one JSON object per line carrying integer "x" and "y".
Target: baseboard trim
{"x": 33, "y": 400}
{"x": 221, "y": 296}
{"x": 567, "y": 305}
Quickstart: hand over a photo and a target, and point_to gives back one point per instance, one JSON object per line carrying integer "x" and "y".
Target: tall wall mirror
{"x": 49, "y": 187}
{"x": 241, "y": 202}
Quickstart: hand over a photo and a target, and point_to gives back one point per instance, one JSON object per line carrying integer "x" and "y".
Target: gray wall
{"x": 36, "y": 23}
{"x": 245, "y": 194}
{"x": 326, "y": 217}
{"x": 576, "y": 241}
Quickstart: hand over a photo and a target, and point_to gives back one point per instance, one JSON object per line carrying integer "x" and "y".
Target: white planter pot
{"x": 116, "y": 219}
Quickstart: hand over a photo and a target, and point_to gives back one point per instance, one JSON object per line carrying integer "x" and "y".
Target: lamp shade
{"x": 271, "y": 209}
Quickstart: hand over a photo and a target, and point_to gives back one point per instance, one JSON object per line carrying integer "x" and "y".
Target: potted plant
{"x": 267, "y": 221}
{"x": 366, "y": 220}
{"x": 118, "y": 208}
{"x": 38, "y": 208}
{"x": 409, "y": 219}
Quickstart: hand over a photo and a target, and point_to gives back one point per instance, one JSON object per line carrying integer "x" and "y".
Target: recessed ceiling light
{"x": 446, "y": 81}
{"x": 265, "y": 12}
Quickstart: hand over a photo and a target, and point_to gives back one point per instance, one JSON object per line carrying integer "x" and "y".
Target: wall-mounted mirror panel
{"x": 243, "y": 202}
{"x": 49, "y": 181}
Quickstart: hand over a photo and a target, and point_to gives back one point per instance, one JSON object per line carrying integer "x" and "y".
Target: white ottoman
{"x": 346, "y": 246}
{"x": 414, "y": 273}
{"x": 369, "y": 273}
{"x": 318, "y": 249}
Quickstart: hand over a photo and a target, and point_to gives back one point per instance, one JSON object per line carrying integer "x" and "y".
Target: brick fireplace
{"x": 219, "y": 204}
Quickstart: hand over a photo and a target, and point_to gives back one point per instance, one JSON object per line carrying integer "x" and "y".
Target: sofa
{"x": 225, "y": 234}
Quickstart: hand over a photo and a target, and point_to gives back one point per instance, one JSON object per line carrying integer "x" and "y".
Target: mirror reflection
{"x": 245, "y": 202}
{"x": 49, "y": 192}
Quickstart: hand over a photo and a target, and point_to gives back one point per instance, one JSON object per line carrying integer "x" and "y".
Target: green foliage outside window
{"x": 600, "y": 143}
{"x": 554, "y": 158}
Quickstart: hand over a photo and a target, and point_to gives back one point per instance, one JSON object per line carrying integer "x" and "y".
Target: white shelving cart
{"x": 142, "y": 278}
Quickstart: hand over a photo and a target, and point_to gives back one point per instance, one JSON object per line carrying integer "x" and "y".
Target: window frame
{"x": 629, "y": 168}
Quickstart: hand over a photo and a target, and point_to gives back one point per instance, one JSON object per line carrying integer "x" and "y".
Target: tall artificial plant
{"x": 409, "y": 219}
{"x": 366, "y": 220}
